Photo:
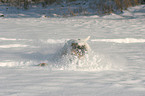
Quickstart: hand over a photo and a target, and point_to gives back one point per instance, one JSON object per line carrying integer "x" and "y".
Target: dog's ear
{"x": 86, "y": 39}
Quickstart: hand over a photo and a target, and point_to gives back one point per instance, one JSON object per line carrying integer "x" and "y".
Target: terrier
{"x": 77, "y": 47}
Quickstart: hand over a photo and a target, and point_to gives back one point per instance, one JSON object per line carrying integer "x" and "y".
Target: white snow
{"x": 7, "y": 39}
{"x": 126, "y": 40}
{"x": 115, "y": 67}
{"x": 12, "y": 45}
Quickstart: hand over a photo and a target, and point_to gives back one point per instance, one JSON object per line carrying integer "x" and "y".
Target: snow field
{"x": 115, "y": 67}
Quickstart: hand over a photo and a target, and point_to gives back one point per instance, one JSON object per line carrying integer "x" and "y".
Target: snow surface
{"x": 115, "y": 67}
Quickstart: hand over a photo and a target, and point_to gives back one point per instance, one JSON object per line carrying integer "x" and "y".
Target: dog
{"x": 76, "y": 47}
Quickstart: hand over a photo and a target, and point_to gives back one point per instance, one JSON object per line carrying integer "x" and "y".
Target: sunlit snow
{"x": 115, "y": 67}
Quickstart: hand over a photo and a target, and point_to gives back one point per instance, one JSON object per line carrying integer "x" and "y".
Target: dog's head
{"x": 79, "y": 47}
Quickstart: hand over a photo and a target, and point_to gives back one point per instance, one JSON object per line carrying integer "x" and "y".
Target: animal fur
{"x": 77, "y": 47}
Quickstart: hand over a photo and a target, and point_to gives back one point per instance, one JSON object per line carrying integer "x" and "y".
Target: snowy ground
{"x": 116, "y": 67}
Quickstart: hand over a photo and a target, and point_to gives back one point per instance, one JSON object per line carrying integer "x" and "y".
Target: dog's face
{"x": 79, "y": 47}
{"x": 75, "y": 47}
{"x": 78, "y": 50}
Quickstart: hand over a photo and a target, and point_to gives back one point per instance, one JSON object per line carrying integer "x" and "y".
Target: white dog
{"x": 77, "y": 47}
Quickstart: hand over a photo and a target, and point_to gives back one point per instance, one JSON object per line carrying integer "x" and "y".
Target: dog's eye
{"x": 83, "y": 46}
{"x": 74, "y": 44}
{"x": 79, "y": 47}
